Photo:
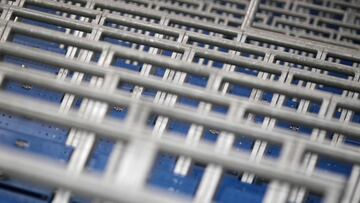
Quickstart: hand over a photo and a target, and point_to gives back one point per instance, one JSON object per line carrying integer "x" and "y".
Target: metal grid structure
{"x": 131, "y": 70}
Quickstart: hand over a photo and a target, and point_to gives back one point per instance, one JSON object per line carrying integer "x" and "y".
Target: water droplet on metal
{"x": 294, "y": 128}
{"x": 118, "y": 108}
{"x": 215, "y": 132}
{"x": 23, "y": 144}
{"x": 27, "y": 86}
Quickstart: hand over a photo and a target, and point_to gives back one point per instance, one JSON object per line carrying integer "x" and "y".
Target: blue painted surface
{"x": 179, "y": 127}
{"x": 273, "y": 151}
{"x": 79, "y": 200}
{"x": 158, "y": 71}
{"x": 247, "y": 144}
{"x": 162, "y": 176}
{"x": 33, "y": 91}
{"x": 118, "y": 113}
{"x": 100, "y": 155}
{"x": 149, "y": 93}
{"x": 33, "y": 137}
{"x": 356, "y": 117}
{"x": 231, "y": 189}
{"x": 210, "y": 135}
{"x": 352, "y": 141}
{"x": 248, "y": 71}
{"x": 119, "y": 42}
{"x": 314, "y": 107}
{"x": 15, "y": 197}
{"x": 259, "y": 119}
{"x": 167, "y": 53}
{"x": 42, "y": 9}
{"x": 313, "y": 198}
{"x": 38, "y": 43}
{"x": 188, "y": 101}
{"x": 22, "y": 125}
{"x": 196, "y": 80}
{"x": 331, "y": 89}
{"x": 127, "y": 87}
{"x": 267, "y": 97}
{"x": 31, "y": 64}
{"x": 344, "y": 61}
{"x": 338, "y": 74}
{"x": 41, "y": 24}
{"x": 25, "y": 189}
{"x": 337, "y": 113}
{"x": 219, "y": 109}
{"x": 322, "y": 87}
{"x": 240, "y": 90}
{"x": 35, "y": 145}
{"x": 294, "y": 127}
{"x": 244, "y": 143}
{"x": 335, "y": 166}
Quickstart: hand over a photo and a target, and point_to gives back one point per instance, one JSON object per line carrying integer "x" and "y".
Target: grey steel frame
{"x": 138, "y": 144}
